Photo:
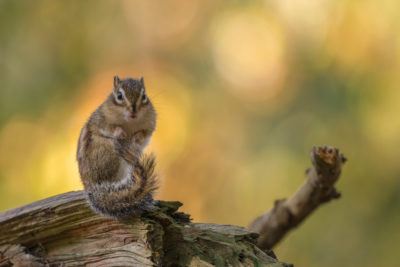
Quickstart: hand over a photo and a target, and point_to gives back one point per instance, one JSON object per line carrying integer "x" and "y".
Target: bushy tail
{"x": 130, "y": 197}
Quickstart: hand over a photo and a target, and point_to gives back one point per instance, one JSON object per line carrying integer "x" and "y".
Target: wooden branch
{"x": 63, "y": 231}
{"x": 318, "y": 189}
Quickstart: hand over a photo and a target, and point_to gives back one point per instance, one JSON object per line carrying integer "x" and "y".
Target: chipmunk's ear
{"x": 116, "y": 82}
{"x": 142, "y": 83}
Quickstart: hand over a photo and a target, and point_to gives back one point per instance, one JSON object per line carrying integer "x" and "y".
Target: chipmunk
{"x": 118, "y": 179}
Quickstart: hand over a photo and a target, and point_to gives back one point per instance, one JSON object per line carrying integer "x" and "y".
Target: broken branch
{"x": 318, "y": 189}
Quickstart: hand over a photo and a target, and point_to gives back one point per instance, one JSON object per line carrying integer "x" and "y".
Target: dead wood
{"x": 63, "y": 231}
{"x": 318, "y": 189}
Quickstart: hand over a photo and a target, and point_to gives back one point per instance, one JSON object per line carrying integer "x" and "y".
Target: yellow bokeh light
{"x": 357, "y": 41}
{"x": 248, "y": 52}
{"x": 171, "y": 22}
{"x": 308, "y": 18}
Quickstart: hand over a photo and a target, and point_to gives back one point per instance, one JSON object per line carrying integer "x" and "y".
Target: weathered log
{"x": 63, "y": 231}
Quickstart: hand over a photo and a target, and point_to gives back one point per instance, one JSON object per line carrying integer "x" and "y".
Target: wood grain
{"x": 64, "y": 231}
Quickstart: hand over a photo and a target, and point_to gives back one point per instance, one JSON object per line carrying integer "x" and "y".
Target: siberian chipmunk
{"x": 118, "y": 179}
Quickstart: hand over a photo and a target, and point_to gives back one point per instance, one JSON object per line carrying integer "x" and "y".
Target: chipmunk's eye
{"x": 144, "y": 98}
{"x": 119, "y": 96}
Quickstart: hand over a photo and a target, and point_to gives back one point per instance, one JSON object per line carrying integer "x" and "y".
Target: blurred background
{"x": 243, "y": 90}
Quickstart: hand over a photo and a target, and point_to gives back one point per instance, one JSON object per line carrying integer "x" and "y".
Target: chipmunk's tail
{"x": 129, "y": 197}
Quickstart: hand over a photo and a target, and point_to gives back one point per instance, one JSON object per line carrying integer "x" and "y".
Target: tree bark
{"x": 318, "y": 189}
{"x": 63, "y": 231}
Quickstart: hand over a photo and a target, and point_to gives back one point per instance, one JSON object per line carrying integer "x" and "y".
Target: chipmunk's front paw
{"x": 119, "y": 133}
{"x": 138, "y": 136}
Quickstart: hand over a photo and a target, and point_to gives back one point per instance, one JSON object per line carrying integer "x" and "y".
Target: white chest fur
{"x": 124, "y": 172}
{"x": 144, "y": 143}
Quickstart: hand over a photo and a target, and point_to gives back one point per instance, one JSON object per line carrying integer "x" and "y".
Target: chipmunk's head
{"x": 130, "y": 98}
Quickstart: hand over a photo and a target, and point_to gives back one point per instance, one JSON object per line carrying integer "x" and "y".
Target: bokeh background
{"x": 243, "y": 90}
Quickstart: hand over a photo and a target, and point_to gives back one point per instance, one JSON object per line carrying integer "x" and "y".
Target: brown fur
{"x": 118, "y": 179}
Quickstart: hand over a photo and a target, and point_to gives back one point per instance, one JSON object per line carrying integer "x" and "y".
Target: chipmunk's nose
{"x": 134, "y": 108}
